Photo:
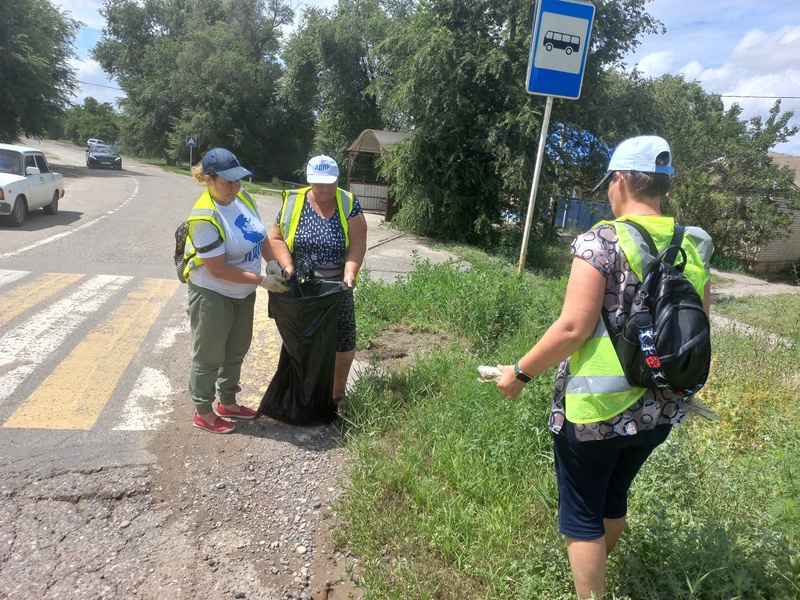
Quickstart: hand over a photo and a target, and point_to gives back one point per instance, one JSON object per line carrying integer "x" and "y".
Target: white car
{"x": 27, "y": 183}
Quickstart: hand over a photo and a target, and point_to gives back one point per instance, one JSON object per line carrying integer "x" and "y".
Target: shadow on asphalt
{"x": 37, "y": 220}
{"x": 319, "y": 438}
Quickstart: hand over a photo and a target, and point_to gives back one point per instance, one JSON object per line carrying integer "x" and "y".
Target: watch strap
{"x": 521, "y": 375}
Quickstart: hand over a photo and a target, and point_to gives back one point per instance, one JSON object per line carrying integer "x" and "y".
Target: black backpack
{"x": 665, "y": 339}
{"x": 181, "y": 235}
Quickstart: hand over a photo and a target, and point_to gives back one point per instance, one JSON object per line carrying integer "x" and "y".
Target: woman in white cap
{"x": 602, "y": 437}
{"x": 226, "y": 244}
{"x": 323, "y": 226}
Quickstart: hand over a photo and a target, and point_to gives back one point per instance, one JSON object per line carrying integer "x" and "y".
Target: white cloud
{"x": 86, "y": 11}
{"x": 656, "y": 64}
{"x": 94, "y": 83}
{"x": 732, "y": 48}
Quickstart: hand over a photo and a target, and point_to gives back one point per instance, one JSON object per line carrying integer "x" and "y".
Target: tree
{"x": 92, "y": 120}
{"x": 36, "y": 79}
{"x": 452, "y": 74}
{"x": 727, "y": 184}
{"x": 329, "y": 72}
{"x": 724, "y": 179}
{"x": 200, "y": 67}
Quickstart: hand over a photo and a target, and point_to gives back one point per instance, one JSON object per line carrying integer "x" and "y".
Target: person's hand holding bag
{"x": 273, "y": 280}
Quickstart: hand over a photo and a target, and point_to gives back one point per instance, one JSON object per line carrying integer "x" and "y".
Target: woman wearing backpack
{"x": 603, "y": 429}
{"x": 226, "y": 244}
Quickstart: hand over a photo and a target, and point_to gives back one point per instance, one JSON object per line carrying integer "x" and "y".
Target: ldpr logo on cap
{"x": 322, "y": 169}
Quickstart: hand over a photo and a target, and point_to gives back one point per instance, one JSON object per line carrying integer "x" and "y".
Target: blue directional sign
{"x": 561, "y": 33}
{"x": 191, "y": 141}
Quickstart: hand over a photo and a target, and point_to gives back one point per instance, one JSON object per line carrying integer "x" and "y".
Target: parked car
{"x": 27, "y": 183}
{"x": 101, "y": 155}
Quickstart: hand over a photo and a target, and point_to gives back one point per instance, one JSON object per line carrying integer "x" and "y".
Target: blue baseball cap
{"x": 638, "y": 154}
{"x": 223, "y": 163}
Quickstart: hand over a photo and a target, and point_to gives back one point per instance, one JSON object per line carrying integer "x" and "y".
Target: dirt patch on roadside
{"x": 396, "y": 346}
{"x": 734, "y": 284}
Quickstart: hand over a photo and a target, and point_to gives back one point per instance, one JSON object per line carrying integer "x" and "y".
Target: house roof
{"x": 376, "y": 141}
{"x": 787, "y": 160}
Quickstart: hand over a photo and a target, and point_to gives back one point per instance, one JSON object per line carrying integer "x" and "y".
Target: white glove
{"x": 274, "y": 268}
{"x": 273, "y": 280}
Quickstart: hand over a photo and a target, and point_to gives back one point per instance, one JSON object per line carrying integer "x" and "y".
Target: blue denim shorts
{"x": 594, "y": 477}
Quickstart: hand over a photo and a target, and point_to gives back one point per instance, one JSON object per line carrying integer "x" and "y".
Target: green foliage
{"x": 725, "y": 263}
{"x": 36, "y": 79}
{"x": 328, "y": 73}
{"x": 448, "y": 72}
{"x": 452, "y": 492}
{"x": 212, "y": 72}
{"x": 436, "y": 298}
{"x": 92, "y": 120}
{"x": 451, "y": 73}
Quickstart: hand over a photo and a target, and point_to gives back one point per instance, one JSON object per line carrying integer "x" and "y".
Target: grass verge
{"x": 452, "y": 492}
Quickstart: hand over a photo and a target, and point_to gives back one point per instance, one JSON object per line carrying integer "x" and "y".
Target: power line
{"x": 765, "y": 97}
{"x": 110, "y": 87}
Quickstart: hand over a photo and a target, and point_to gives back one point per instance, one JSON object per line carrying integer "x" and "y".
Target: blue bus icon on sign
{"x": 562, "y": 41}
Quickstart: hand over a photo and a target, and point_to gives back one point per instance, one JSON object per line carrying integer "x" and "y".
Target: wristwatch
{"x": 521, "y": 375}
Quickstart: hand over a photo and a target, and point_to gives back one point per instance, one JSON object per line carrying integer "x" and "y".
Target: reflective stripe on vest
{"x": 293, "y": 202}
{"x": 205, "y": 210}
{"x": 596, "y": 388}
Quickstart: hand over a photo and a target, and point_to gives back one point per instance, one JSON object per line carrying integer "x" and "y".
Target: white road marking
{"x": 169, "y": 336}
{"x": 7, "y": 277}
{"x": 26, "y": 347}
{"x": 148, "y": 404}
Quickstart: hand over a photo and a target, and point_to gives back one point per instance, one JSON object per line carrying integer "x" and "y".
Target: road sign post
{"x": 559, "y": 45}
{"x": 191, "y": 141}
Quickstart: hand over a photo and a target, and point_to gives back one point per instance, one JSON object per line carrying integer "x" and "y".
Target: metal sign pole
{"x": 537, "y": 171}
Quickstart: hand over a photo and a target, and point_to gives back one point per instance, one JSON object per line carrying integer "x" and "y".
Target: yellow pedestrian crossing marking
{"x": 47, "y": 310}
{"x": 74, "y": 395}
{"x": 26, "y": 296}
{"x": 262, "y": 359}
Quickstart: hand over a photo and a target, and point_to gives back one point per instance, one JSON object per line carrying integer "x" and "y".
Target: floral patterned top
{"x": 320, "y": 241}
{"x": 598, "y": 246}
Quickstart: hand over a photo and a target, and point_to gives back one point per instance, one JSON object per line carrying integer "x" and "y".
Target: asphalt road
{"x": 106, "y": 489}
{"x": 94, "y": 349}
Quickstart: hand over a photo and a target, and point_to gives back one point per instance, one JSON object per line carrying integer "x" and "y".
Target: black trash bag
{"x": 307, "y": 317}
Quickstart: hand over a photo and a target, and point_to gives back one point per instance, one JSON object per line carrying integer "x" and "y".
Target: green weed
{"x": 452, "y": 492}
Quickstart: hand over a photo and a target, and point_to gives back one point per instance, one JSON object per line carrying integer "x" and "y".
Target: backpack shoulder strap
{"x": 671, "y": 251}
{"x": 645, "y": 235}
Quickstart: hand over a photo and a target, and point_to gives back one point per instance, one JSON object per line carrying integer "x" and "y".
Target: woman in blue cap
{"x": 603, "y": 429}
{"x": 227, "y": 242}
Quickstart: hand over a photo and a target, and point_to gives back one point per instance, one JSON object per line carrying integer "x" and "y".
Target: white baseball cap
{"x": 638, "y": 154}
{"x": 322, "y": 169}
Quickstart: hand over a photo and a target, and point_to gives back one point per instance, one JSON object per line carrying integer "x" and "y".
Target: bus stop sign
{"x": 559, "y": 44}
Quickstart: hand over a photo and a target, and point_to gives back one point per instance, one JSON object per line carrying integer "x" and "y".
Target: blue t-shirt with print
{"x": 318, "y": 241}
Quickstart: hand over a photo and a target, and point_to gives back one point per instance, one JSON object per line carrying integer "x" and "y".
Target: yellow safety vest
{"x": 596, "y": 386}
{"x": 205, "y": 210}
{"x": 293, "y": 202}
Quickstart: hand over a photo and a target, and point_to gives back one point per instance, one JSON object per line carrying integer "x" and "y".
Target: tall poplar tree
{"x": 36, "y": 79}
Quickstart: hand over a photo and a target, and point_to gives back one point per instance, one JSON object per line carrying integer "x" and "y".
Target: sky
{"x": 739, "y": 49}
